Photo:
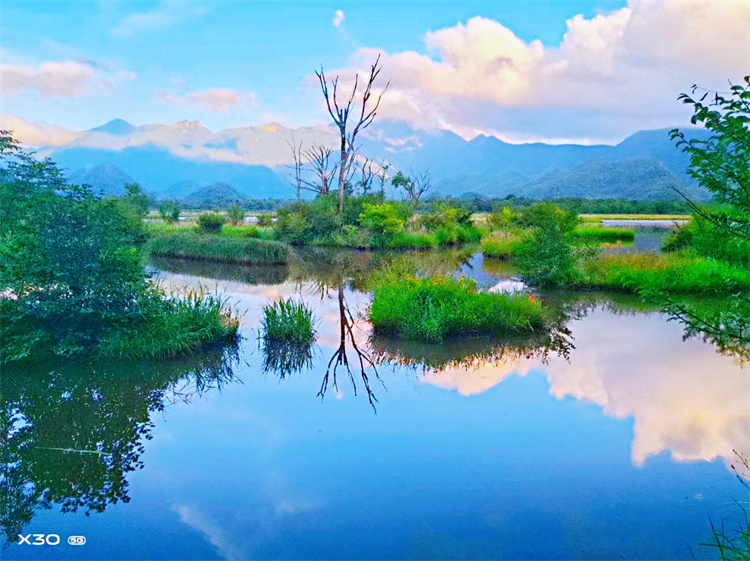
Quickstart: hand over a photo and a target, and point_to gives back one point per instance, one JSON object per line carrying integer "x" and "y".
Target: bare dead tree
{"x": 340, "y": 357}
{"x": 340, "y": 115}
{"x": 368, "y": 171}
{"x": 420, "y": 184}
{"x": 319, "y": 159}
{"x": 297, "y": 165}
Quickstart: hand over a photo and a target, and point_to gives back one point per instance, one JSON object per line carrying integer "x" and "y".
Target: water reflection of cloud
{"x": 683, "y": 397}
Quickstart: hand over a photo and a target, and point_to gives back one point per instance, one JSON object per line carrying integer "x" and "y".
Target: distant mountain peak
{"x": 117, "y": 127}
{"x": 186, "y": 125}
{"x": 272, "y": 127}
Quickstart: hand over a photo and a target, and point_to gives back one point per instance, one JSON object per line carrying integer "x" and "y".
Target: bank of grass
{"x": 160, "y": 228}
{"x": 594, "y": 233}
{"x": 438, "y": 307}
{"x": 224, "y": 249}
{"x": 174, "y": 324}
{"x": 675, "y": 273}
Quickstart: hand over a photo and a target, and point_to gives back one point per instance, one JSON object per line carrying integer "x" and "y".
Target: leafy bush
{"x": 190, "y": 245}
{"x": 236, "y": 214}
{"x": 210, "y": 223}
{"x": 435, "y": 308}
{"x": 502, "y": 217}
{"x": 265, "y": 220}
{"x": 547, "y": 256}
{"x": 382, "y": 222}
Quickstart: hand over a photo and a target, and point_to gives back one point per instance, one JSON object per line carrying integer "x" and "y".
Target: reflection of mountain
{"x": 678, "y": 400}
{"x": 72, "y": 432}
{"x": 253, "y": 160}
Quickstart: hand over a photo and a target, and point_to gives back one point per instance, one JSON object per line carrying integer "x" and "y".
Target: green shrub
{"x": 169, "y": 211}
{"x": 265, "y": 220}
{"x": 708, "y": 240}
{"x": 210, "y": 223}
{"x": 435, "y": 308}
{"x": 382, "y": 222}
{"x": 236, "y": 214}
{"x": 547, "y": 257}
{"x": 502, "y": 218}
{"x": 302, "y": 223}
{"x": 679, "y": 238}
{"x": 288, "y": 321}
{"x": 215, "y": 248}
{"x": 407, "y": 239}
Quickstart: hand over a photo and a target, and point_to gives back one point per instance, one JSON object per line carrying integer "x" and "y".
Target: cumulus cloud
{"x": 610, "y": 75}
{"x": 35, "y": 133}
{"x": 338, "y": 18}
{"x": 217, "y": 100}
{"x": 71, "y": 78}
{"x": 166, "y": 14}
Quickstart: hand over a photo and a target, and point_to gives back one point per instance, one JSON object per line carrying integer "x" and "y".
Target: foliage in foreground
{"x": 437, "y": 307}
{"x": 288, "y": 334}
{"x": 224, "y": 249}
{"x": 71, "y": 279}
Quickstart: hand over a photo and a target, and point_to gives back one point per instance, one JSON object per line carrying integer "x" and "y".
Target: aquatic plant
{"x": 288, "y": 321}
{"x": 246, "y": 250}
{"x": 437, "y": 307}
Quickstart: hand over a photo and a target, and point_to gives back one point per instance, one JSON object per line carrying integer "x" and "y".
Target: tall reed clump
{"x": 437, "y": 307}
{"x": 172, "y": 324}
{"x": 244, "y": 250}
{"x": 288, "y": 321}
{"x": 675, "y": 273}
{"x": 288, "y": 335}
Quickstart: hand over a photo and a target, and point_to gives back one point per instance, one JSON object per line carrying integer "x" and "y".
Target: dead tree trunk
{"x": 340, "y": 116}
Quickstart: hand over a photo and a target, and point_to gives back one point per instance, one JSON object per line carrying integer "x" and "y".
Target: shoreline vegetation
{"x": 72, "y": 282}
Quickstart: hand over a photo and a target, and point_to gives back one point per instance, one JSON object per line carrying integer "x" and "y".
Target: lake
{"x": 613, "y": 438}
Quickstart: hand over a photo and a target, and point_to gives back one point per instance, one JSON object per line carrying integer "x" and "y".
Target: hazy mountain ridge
{"x": 254, "y": 160}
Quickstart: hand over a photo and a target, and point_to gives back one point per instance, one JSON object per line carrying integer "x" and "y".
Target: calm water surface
{"x": 612, "y": 441}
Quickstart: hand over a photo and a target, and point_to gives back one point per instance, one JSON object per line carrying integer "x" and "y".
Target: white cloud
{"x": 338, "y": 18}
{"x": 217, "y": 100}
{"x": 35, "y": 133}
{"x": 67, "y": 79}
{"x": 168, "y": 13}
{"x": 611, "y": 74}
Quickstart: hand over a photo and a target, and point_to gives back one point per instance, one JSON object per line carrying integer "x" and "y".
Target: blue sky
{"x": 238, "y": 63}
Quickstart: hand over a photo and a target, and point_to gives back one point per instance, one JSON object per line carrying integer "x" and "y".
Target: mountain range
{"x": 173, "y": 161}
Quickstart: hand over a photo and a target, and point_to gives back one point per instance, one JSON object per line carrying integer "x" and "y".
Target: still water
{"x": 613, "y": 439}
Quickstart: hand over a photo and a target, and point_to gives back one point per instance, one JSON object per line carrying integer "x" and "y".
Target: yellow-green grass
{"x": 225, "y": 249}
{"x": 502, "y": 244}
{"x": 676, "y": 273}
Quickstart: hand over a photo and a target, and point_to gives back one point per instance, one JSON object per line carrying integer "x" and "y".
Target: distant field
{"x": 593, "y": 218}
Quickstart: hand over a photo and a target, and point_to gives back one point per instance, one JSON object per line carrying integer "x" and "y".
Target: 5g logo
{"x": 48, "y": 539}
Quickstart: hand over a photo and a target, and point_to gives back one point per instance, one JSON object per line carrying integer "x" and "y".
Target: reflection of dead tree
{"x": 340, "y": 358}
{"x": 340, "y": 116}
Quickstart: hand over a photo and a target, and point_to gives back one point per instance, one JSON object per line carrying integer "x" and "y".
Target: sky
{"x": 581, "y": 71}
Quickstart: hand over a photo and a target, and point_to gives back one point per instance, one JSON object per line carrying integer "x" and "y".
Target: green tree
{"x": 236, "y": 214}
{"x": 169, "y": 211}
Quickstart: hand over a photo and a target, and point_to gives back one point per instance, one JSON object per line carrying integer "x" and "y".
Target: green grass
{"x": 219, "y": 248}
{"x": 597, "y": 218}
{"x": 502, "y": 244}
{"x": 288, "y": 321}
{"x": 603, "y": 233}
{"x": 161, "y": 228}
{"x": 438, "y": 307}
{"x": 173, "y": 325}
{"x": 676, "y": 273}
{"x": 407, "y": 239}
